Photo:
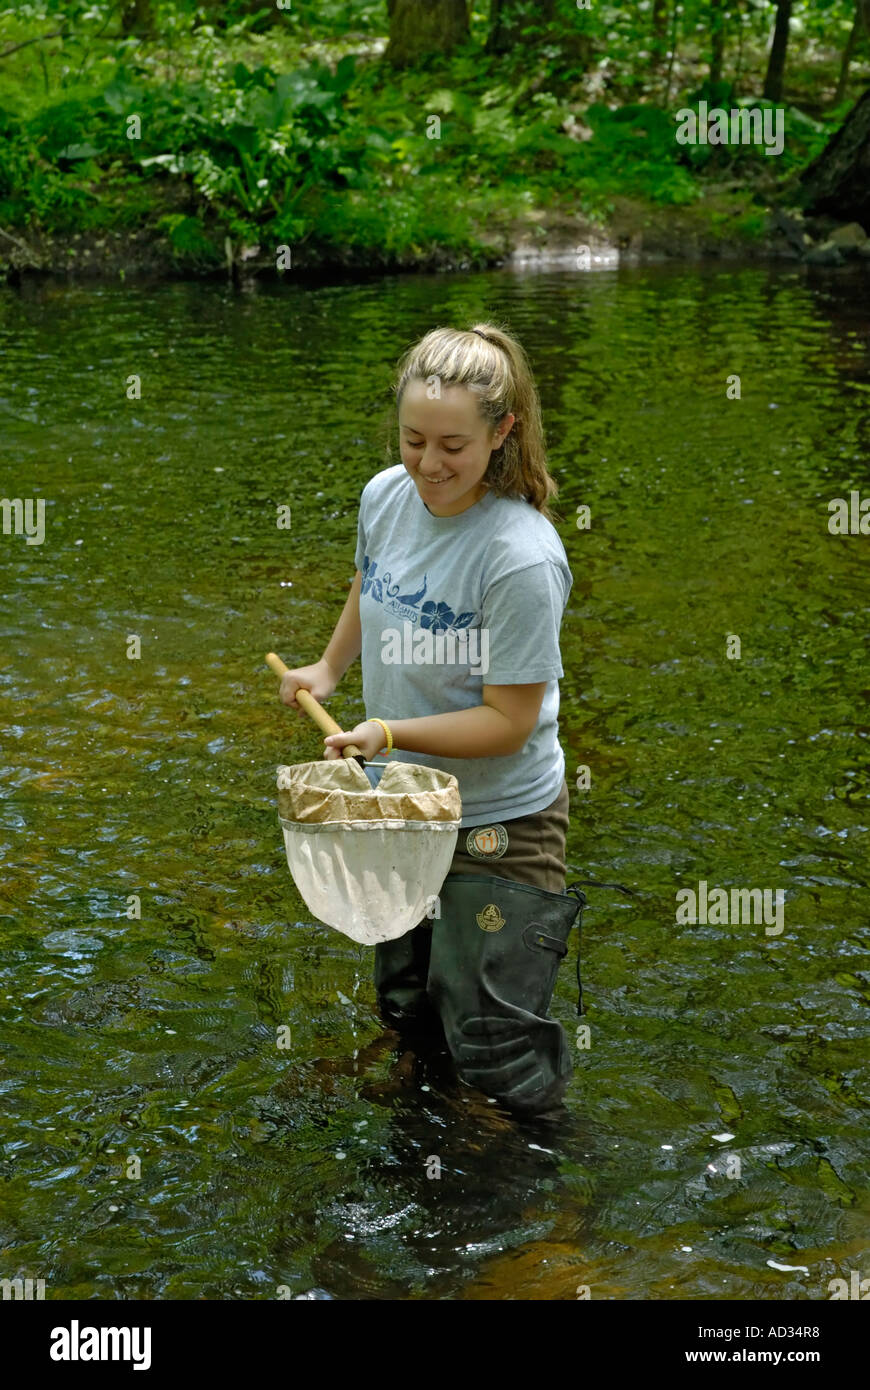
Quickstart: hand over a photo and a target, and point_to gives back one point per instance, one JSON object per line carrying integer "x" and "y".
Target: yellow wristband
{"x": 386, "y": 729}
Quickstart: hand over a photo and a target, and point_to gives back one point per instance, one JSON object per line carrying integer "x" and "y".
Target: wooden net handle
{"x": 314, "y": 709}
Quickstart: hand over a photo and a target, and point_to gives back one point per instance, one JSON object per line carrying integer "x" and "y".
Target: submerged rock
{"x": 825, "y": 254}
{"x": 850, "y": 235}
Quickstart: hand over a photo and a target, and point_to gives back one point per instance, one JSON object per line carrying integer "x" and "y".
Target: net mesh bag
{"x": 368, "y": 860}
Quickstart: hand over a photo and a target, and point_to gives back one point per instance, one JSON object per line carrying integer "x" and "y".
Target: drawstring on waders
{"x": 581, "y": 898}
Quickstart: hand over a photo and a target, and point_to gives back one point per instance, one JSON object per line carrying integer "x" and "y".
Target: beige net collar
{"x": 338, "y": 790}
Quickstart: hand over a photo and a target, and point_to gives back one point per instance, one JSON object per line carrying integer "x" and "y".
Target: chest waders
{"x": 487, "y": 968}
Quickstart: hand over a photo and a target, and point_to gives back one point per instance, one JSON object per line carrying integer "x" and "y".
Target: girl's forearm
{"x": 480, "y": 732}
{"x": 345, "y": 644}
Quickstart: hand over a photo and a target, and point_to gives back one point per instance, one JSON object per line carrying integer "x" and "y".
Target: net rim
{"x": 318, "y": 827}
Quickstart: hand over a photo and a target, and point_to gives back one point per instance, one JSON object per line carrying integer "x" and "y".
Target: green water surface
{"x": 269, "y": 1172}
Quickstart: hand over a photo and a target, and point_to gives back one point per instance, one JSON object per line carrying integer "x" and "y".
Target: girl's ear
{"x": 503, "y": 428}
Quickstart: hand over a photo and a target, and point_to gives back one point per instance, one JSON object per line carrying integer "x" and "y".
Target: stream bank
{"x": 722, "y": 226}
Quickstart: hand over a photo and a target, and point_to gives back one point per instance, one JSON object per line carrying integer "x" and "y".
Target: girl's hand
{"x": 368, "y": 737}
{"x": 318, "y": 679}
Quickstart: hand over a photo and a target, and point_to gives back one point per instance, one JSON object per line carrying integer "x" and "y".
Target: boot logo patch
{"x": 489, "y": 918}
{"x": 487, "y": 842}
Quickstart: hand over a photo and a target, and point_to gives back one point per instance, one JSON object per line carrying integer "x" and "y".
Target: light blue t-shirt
{"x": 450, "y": 604}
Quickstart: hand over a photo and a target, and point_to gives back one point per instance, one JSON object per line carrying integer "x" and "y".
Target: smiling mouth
{"x": 434, "y": 482}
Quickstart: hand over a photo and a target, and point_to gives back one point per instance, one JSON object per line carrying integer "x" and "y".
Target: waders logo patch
{"x": 489, "y": 918}
{"x": 487, "y": 842}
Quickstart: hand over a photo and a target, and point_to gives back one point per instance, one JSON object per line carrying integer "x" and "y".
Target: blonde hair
{"x": 488, "y": 361}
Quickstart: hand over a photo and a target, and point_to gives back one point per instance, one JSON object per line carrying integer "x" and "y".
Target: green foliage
{"x": 257, "y": 124}
{"x": 189, "y": 239}
{"x": 633, "y": 150}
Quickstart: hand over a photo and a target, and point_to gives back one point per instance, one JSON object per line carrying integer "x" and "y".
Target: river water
{"x": 717, "y": 1121}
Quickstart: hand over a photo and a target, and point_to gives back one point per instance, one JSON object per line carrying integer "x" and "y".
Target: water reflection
{"x": 155, "y": 1036}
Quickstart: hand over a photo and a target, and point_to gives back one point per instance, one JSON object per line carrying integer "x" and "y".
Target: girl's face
{"x": 446, "y": 444}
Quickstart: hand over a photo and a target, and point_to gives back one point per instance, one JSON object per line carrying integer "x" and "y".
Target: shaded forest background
{"x": 404, "y": 131}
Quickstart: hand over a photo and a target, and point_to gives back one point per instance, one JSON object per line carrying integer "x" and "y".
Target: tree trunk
{"x": 738, "y": 71}
{"x": 862, "y": 21}
{"x": 674, "y": 39}
{"x": 837, "y": 183}
{"x": 717, "y": 39}
{"x": 421, "y": 27}
{"x": 776, "y": 63}
{"x": 506, "y": 22}
{"x": 659, "y": 40}
{"x": 137, "y": 17}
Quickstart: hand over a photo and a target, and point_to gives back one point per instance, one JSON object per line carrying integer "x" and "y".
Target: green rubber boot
{"x": 495, "y": 952}
{"x": 401, "y": 972}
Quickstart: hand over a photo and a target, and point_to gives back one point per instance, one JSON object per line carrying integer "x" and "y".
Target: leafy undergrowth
{"x": 205, "y": 137}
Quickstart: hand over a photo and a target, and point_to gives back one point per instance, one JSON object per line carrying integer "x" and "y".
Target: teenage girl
{"x": 457, "y": 542}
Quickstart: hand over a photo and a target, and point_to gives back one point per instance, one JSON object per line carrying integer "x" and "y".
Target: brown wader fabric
{"x": 535, "y": 852}
{"x": 534, "y": 855}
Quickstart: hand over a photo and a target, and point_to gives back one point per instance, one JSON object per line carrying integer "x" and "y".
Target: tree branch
{"x": 40, "y": 38}
{"x": 21, "y": 246}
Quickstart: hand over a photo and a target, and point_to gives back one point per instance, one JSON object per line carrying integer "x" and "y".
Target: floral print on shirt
{"x": 436, "y": 615}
